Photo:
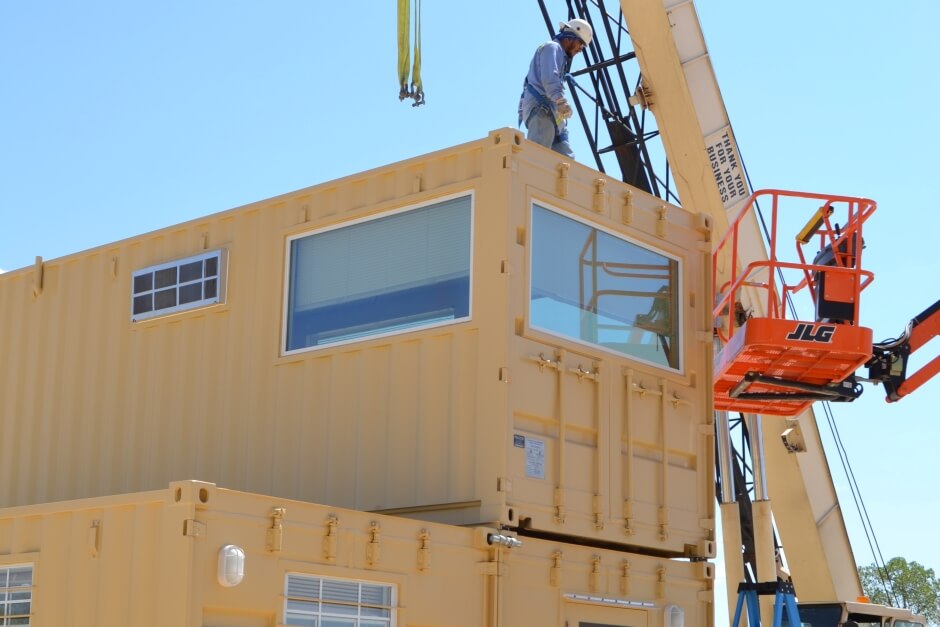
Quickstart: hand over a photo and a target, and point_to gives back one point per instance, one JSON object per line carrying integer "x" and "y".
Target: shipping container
{"x": 485, "y": 334}
{"x": 194, "y": 555}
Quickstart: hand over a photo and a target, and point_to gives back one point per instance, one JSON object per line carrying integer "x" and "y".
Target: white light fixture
{"x": 673, "y": 616}
{"x": 231, "y": 565}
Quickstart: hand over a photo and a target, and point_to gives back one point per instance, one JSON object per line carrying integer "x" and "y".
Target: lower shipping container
{"x": 195, "y": 554}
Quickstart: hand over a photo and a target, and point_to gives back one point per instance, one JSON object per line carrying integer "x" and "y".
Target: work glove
{"x": 562, "y": 109}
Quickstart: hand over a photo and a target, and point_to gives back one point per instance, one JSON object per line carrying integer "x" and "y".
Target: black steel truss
{"x": 615, "y": 129}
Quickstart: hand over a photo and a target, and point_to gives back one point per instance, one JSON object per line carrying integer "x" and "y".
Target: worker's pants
{"x": 541, "y": 130}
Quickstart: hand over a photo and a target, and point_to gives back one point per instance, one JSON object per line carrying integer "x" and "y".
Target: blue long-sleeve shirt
{"x": 546, "y": 76}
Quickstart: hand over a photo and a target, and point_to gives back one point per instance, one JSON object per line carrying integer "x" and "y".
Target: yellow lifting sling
{"x": 415, "y": 90}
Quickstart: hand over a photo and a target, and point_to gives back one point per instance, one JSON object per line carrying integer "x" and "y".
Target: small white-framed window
{"x": 16, "y": 594}
{"x": 599, "y": 288}
{"x": 178, "y": 285}
{"x": 312, "y": 601}
{"x": 388, "y": 274}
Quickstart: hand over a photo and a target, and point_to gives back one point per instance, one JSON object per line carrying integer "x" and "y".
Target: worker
{"x": 543, "y": 106}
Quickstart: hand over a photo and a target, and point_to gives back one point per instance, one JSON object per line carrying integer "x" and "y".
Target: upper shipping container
{"x": 486, "y": 334}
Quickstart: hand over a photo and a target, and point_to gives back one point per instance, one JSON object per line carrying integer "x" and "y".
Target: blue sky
{"x": 118, "y": 118}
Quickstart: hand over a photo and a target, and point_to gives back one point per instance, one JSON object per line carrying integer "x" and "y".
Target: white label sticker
{"x": 534, "y": 458}
{"x": 722, "y": 153}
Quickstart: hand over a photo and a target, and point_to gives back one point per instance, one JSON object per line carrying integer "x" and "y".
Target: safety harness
{"x": 561, "y": 135}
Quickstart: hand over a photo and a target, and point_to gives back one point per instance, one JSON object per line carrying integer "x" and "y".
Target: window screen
{"x": 16, "y": 594}
{"x": 177, "y": 286}
{"x": 323, "y": 602}
{"x": 593, "y": 287}
{"x": 395, "y": 273}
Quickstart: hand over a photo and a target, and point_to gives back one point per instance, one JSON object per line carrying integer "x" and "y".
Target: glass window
{"x": 395, "y": 273}
{"x": 176, "y": 286}
{"x": 16, "y": 594}
{"x": 345, "y": 602}
{"x": 594, "y": 287}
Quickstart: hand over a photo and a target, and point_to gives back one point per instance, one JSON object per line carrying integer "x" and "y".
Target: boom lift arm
{"x": 888, "y": 364}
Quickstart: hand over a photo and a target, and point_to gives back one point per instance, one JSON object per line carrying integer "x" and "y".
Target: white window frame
{"x": 221, "y": 254}
{"x": 679, "y": 369}
{"x": 6, "y": 602}
{"x": 285, "y": 305}
{"x": 392, "y": 607}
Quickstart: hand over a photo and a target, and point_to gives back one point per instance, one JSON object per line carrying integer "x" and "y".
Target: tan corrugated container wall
{"x": 420, "y": 423}
{"x": 152, "y": 559}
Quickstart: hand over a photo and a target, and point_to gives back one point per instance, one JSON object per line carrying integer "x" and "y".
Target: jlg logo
{"x": 804, "y": 332}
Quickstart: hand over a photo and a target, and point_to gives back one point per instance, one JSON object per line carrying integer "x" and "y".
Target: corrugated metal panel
{"x": 153, "y": 559}
{"x": 421, "y": 423}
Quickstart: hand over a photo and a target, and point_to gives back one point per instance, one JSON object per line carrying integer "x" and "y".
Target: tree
{"x": 903, "y": 584}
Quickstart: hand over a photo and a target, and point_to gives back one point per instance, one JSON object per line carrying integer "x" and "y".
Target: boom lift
{"x": 677, "y": 84}
{"x": 775, "y": 365}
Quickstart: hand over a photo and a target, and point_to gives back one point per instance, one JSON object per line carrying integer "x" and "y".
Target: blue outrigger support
{"x": 784, "y": 600}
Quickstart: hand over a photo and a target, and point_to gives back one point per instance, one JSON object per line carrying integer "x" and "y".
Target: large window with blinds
{"x": 594, "y": 287}
{"x": 391, "y": 274}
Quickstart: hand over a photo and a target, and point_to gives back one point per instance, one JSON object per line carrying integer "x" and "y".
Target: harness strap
{"x": 545, "y": 104}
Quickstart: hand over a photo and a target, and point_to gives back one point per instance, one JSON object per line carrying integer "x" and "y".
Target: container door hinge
{"x": 663, "y": 523}
{"x": 503, "y": 484}
{"x": 661, "y": 221}
{"x": 504, "y": 374}
{"x": 628, "y": 518}
{"x": 595, "y": 578}
{"x": 598, "y": 512}
{"x": 372, "y": 547}
{"x": 193, "y": 528}
{"x": 330, "y": 539}
{"x": 703, "y": 223}
{"x": 625, "y": 578}
{"x": 94, "y": 538}
{"x": 600, "y": 195}
{"x": 661, "y": 583}
{"x": 38, "y": 272}
{"x": 559, "y": 502}
{"x": 424, "y": 550}
{"x": 275, "y": 534}
{"x": 562, "y": 183}
{"x": 627, "y": 213}
{"x": 554, "y": 573}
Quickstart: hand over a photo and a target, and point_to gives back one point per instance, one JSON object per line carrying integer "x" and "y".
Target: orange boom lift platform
{"x": 771, "y": 364}
{"x": 775, "y": 364}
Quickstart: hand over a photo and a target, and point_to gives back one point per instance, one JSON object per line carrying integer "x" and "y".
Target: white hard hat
{"x": 580, "y": 28}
